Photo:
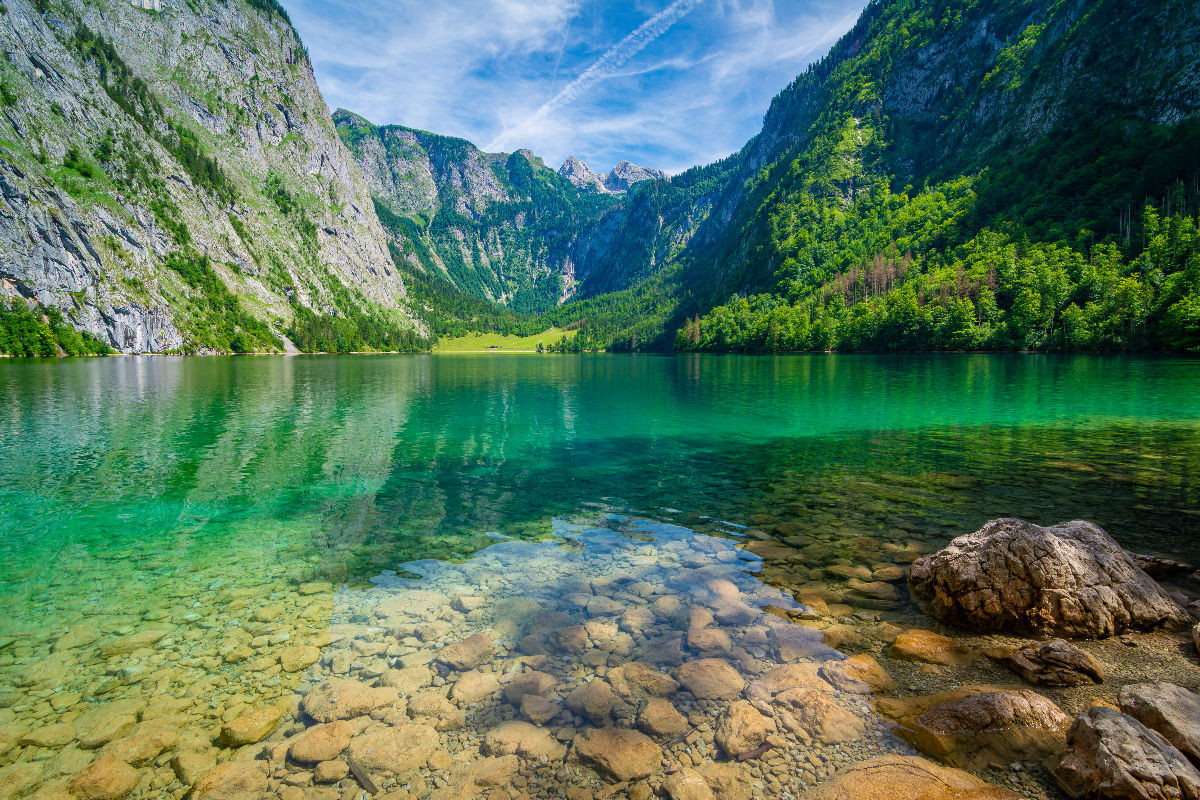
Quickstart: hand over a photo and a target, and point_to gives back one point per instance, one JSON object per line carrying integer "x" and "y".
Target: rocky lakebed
{"x": 624, "y": 657}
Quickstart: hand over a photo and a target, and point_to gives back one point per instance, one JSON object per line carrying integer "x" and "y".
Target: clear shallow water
{"x": 365, "y": 462}
{"x": 194, "y": 496}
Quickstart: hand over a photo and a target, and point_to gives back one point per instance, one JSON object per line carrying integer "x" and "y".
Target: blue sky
{"x": 663, "y": 83}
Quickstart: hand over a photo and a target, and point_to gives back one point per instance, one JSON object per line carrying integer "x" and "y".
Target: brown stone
{"x": 522, "y": 739}
{"x": 931, "y": 648}
{"x": 252, "y": 727}
{"x": 595, "y": 700}
{"x": 106, "y": 778}
{"x": 1052, "y": 663}
{"x": 468, "y": 653}
{"x": 494, "y": 771}
{"x": 659, "y": 717}
{"x": 397, "y": 751}
{"x": 687, "y": 784}
{"x": 906, "y": 778}
{"x": 330, "y": 771}
{"x": 816, "y": 714}
{"x": 530, "y": 682}
{"x": 637, "y": 679}
{"x": 294, "y": 659}
{"x": 623, "y": 754}
{"x": 233, "y": 780}
{"x": 860, "y": 674}
{"x": 340, "y": 698}
{"x": 742, "y": 729}
{"x": 969, "y": 727}
{"x": 408, "y": 680}
{"x": 474, "y": 686}
{"x": 321, "y": 742}
{"x": 1112, "y": 756}
{"x": 711, "y": 679}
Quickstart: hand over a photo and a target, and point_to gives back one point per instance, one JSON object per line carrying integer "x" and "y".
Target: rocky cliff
{"x": 171, "y": 180}
{"x": 500, "y": 226}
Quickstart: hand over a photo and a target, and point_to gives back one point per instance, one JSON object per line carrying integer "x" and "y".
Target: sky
{"x": 662, "y": 83}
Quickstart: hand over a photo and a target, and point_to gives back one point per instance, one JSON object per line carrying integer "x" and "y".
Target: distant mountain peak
{"x": 581, "y": 176}
{"x": 623, "y": 176}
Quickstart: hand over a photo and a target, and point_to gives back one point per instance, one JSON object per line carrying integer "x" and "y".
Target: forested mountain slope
{"x": 172, "y": 181}
{"x": 1004, "y": 174}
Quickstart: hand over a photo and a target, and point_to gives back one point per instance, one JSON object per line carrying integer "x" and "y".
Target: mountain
{"x": 582, "y": 177}
{"x": 1014, "y": 174}
{"x": 620, "y": 178}
{"x": 498, "y": 226}
{"x": 624, "y": 175}
{"x": 953, "y": 175}
{"x": 171, "y": 181}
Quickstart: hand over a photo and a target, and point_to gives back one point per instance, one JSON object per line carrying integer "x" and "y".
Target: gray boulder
{"x": 1070, "y": 579}
{"x": 1113, "y": 756}
{"x": 1169, "y": 710}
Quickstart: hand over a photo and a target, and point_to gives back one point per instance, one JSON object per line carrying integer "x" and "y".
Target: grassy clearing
{"x": 495, "y": 342}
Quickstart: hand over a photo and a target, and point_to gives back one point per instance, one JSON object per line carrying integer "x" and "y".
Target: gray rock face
{"x": 625, "y": 175}
{"x": 1112, "y": 755}
{"x": 1052, "y": 663}
{"x": 93, "y": 243}
{"x": 1070, "y": 579}
{"x": 1171, "y": 711}
{"x": 581, "y": 176}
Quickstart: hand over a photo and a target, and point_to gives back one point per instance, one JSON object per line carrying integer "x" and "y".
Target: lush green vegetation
{"x": 220, "y": 321}
{"x": 1083, "y": 239}
{"x": 26, "y": 331}
{"x": 356, "y": 332}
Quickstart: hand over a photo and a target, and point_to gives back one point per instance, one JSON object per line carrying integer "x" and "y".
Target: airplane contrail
{"x": 607, "y": 64}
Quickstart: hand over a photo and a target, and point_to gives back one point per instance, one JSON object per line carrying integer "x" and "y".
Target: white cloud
{"x": 612, "y": 60}
{"x": 666, "y": 83}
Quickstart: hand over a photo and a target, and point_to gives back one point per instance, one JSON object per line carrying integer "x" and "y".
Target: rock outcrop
{"x": 1069, "y": 580}
{"x": 205, "y": 131}
{"x": 1115, "y": 757}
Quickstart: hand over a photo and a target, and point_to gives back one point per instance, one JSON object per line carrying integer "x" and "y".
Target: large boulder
{"x": 1115, "y": 757}
{"x": 1052, "y": 663}
{"x": 906, "y": 777}
{"x": 1070, "y": 579}
{"x": 1169, "y": 710}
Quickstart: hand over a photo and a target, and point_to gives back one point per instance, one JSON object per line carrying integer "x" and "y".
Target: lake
{"x": 171, "y": 526}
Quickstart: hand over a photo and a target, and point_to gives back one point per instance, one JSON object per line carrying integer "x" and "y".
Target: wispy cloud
{"x": 612, "y": 60}
{"x": 666, "y": 83}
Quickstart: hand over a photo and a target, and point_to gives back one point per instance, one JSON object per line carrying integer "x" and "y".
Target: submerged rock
{"x": 1169, "y": 710}
{"x": 968, "y": 728}
{"x": 341, "y": 698}
{"x": 742, "y": 728}
{"x": 1053, "y": 663}
{"x": 931, "y": 648}
{"x": 1112, "y": 755}
{"x": 233, "y": 780}
{"x": 1070, "y": 579}
{"x": 860, "y": 674}
{"x": 906, "y": 777}
{"x": 711, "y": 679}
{"x": 624, "y": 754}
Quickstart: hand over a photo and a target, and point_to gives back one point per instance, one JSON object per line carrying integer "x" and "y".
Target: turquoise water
{"x": 175, "y": 530}
{"x": 365, "y": 462}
